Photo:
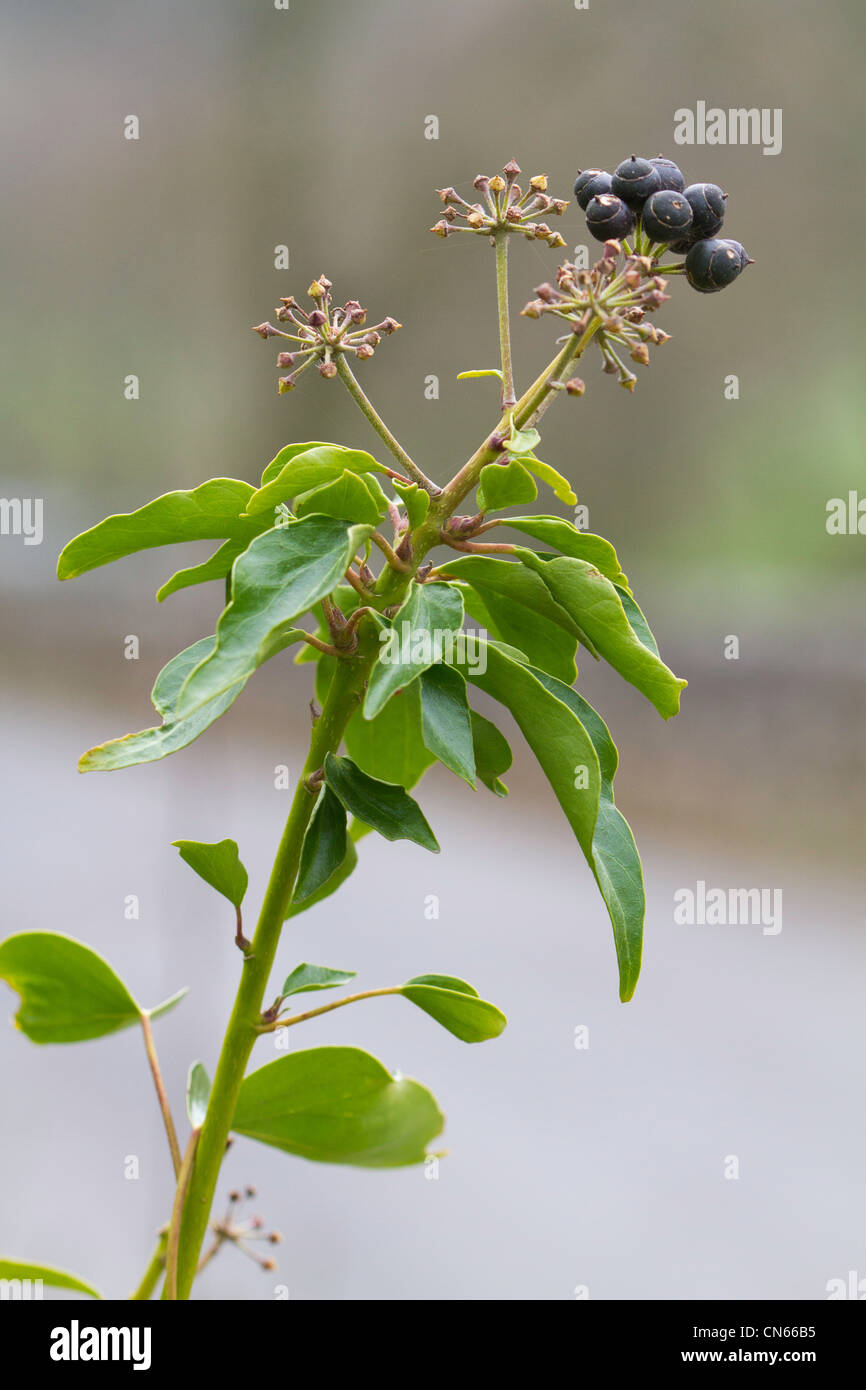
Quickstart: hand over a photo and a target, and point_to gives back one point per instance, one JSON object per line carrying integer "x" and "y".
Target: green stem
{"x": 150, "y": 1048}
{"x": 151, "y": 1276}
{"x": 171, "y": 1252}
{"x": 500, "y": 241}
{"x": 327, "y": 1008}
{"x": 366, "y": 406}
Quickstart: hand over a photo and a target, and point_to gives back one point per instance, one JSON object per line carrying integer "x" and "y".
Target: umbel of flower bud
{"x": 503, "y": 207}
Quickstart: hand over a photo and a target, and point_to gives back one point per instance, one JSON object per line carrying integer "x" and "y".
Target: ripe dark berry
{"x": 671, "y": 174}
{"x": 707, "y": 202}
{"x": 713, "y": 264}
{"x": 607, "y": 216}
{"x": 634, "y": 180}
{"x": 589, "y": 184}
{"x": 666, "y": 216}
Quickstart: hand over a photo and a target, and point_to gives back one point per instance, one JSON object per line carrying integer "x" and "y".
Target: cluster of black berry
{"x": 649, "y": 197}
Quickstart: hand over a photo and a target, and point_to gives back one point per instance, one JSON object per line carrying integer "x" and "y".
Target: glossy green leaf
{"x": 416, "y": 500}
{"x": 149, "y": 745}
{"x": 209, "y": 512}
{"x": 324, "y": 847}
{"x": 281, "y": 575}
{"x": 336, "y": 880}
{"x": 197, "y": 1094}
{"x": 338, "y": 1105}
{"x": 561, "y": 486}
{"x": 218, "y": 864}
{"x": 615, "y": 860}
{"x": 580, "y": 545}
{"x": 219, "y": 565}
{"x": 305, "y": 978}
{"x": 45, "y": 1274}
{"x": 386, "y": 808}
{"x": 291, "y": 451}
{"x": 505, "y": 485}
{"x": 492, "y": 753}
{"x": 167, "y": 1004}
{"x": 456, "y": 1006}
{"x": 348, "y": 498}
{"x": 638, "y": 621}
{"x": 421, "y": 634}
{"x": 445, "y": 720}
{"x": 308, "y": 469}
{"x": 514, "y": 605}
{"x": 594, "y": 603}
{"x": 68, "y": 992}
{"x": 556, "y": 736}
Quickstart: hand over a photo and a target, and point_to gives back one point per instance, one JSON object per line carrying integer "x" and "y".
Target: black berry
{"x": 607, "y": 216}
{"x": 713, "y": 264}
{"x": 634, "y": 180}
{"x": 589, "y": 184}
{"x": 671, "y": 174}
{"x": 666, "y": 216}
{"x": 707, "y": 202}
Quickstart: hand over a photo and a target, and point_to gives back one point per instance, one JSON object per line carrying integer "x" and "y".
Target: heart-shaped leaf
{"x": 307, "y": 977}
{"x": 562, "y": 488}
{"x": 218, "y": 864}
{"x": 306, "y": 469}
{"x": 338, "y": 1105}
{"x": 68, "y": 992}
{"x": 350, "y": 497}
{"x": 456, "y": 1006}
{"x": 505, "y": 485}
{"x": 23, "y": 1272}
{"x": 381, "y": 805}
{"x": 416, "y": 500}
{"x": 291, "y": 451}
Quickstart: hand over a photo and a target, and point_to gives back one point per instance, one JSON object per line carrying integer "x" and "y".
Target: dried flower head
{"x": 323, "y": 334}
{"x": 503, "y": 207}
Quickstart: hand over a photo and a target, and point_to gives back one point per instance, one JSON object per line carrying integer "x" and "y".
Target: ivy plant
{"x": 406, "y": 603}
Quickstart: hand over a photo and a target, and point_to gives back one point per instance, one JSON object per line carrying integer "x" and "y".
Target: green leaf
{"x": 337, "y": 879}
{"x": 281, "y": 575}
{"x": 556, "y": 736}
{"x": 68, "y": 992}
{"x": 615, "y": 860}
{"x": 420, "y": 636}
{"x": 594, "y": 603}
{"x": 561, "y": 486}
{"x": 416, "y": 500}
{"x": 518, "y": 612}
{"x": 522, "y": 441}
{"x": 56, "y": 1278}
{"x": 209, "y": 512}
{"x": 505, "y": 485}
{"x": 324, "y": 847}
{"x": 218, "y": 864}
{"x": 305, "y": 978}
{"x": 580, "y": 545}
{"x": 391, "y": 746}
{"x": 276, "y": 465}
{"x": 308, "y": 469}
{"x": 151, "y": 744}
{"x": 637, "y": 620}
{"x": 445, "y": 719}
{"x": 382, "y": 805}
{"x": 338, "y": 1105}
{"x": 219, "y": 565}
{"x": 456, "y": 1006}
{"x": 350, "y": 497}
{"x": 481, "y": 371}
{"x": 197, "y": 1094}
{"x": 492, "y": 753}
{"x": 168, "y": 1004}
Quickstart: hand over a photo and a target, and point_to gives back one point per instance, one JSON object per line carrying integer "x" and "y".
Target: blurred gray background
{"x": 601, "y": 1167}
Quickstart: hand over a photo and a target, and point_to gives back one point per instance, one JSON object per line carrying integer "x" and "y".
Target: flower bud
{"x": 285, "y": 359}
{"x": 317, "y": 319}
{"x": 440, "y": 229}
{"x": 511, "y": 170}
{"x": 497, "y": 184}
{"x": 389, "y": 325}
{"x": 265, "y": 330}
{"x": 481, "y": 183}
{"x": 448, "y": 195}
{"x": 640, "y": 353}
{"x": 316, "y": 291}
{"x": 327, "y": 370}
{"x": 556, "y": 240}
{"x": 576, "y": 386}
{"x": 355, "y": 312}
{"x": 365, "y": 351}
{"x": 538, "y": 183}
{"x": 286, "y": 383}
